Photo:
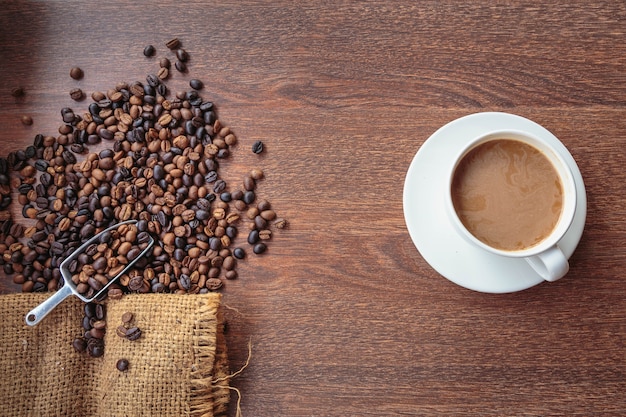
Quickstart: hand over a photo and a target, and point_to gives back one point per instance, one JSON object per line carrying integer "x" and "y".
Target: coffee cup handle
{"x": 551, "y": 264}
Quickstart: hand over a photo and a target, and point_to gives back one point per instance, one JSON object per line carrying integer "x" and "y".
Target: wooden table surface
{"x": 344, "y": 315}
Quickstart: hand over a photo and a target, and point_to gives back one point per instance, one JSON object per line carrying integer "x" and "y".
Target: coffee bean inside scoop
{"x": 107, "y": 258}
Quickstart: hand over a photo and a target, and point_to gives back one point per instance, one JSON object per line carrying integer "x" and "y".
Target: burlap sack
{"x": 177, "y": 368}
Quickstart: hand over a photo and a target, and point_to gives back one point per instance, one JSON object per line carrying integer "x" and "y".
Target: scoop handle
{"x": 37, "y": 314}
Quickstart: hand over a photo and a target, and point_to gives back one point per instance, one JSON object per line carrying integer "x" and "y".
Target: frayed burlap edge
{"x": 208, "y": 397}
{"x": 209, "y": 392}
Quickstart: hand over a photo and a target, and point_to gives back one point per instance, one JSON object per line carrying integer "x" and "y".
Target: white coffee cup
{"x": 545, "y": 257}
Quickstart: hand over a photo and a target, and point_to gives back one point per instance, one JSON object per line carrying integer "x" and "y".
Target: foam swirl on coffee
{"x": 507, "y": 194}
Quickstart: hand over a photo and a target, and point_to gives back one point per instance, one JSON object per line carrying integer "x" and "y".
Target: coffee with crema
{"x": 507, "y": 194}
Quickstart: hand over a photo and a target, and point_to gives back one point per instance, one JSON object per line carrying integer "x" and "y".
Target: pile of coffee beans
{"x": 94, "y": 326}
{"x": 160, "y": 166}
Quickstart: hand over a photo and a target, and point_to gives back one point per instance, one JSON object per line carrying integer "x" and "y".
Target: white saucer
{"x": 434, "y": 235}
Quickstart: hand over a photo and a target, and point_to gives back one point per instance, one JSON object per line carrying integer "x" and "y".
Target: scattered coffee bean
{"x": 133, "y": 333}
{"x": 165, "y": 63}
{"x": 26, "y": 120}
{"x": 248, "y": 197}
{"x": 121, "y": 331}
{"x": 196, "y": 84}
{"x": 173, "y": 44}
{"x": 253, "y": 237}
{"x": 257, "y": 147}
{"x": 182, "y": 55}
{"x": 122, "y": 365}
{"x": 77, "y": 94}
{"x": 95, "y": 347}
{"x": 259, "y": 248}
{"x": 239, "y": 253}
{"x": 280, "y": 223}
{"x": 76, "y": 73}
{"x": 79, "y": 344}
{"x": 180, "y": 66}
{"x": 256, "y": 174}
{"x": 127, "y": 317}
{"x": 163, "y": 73}
{"x": 149, "y": 51}
{"x": 18, "y": 92}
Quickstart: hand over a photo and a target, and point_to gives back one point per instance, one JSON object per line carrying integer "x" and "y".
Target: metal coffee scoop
{"x": 69, "y": 288}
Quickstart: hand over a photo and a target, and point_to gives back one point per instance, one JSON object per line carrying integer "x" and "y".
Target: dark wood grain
{"x": 344, "y": 316}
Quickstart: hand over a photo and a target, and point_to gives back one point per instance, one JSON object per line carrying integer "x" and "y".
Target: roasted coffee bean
{"x": 153, "y": 80}
{"x": 100, "y": 264}
{"x": 67, "y": 115}
{"x": 26, "y": 120}
{"x": 99, "y": 324}
{"x": 96, "y": 333}
{"x": 133, "y": 253}
{"x": 95, "y": 347}
{"x": 248, "y": 183}
{"x": 76, "y": 73}
{"x": 259, "y": 248}
{"x": 184, "y": 282}
{"x": 256, "y": 174}
{"x": 257, "y": 147}
{"x": 163, "y": 74}
{"x": 22, "y": 189}
{"x": 76, "y": 94}
{"x": 133, "y": 333}
{"x": 149, "y": 51}
{"x": 135, "y": 283}
{"x": 106, "y": 134}
{"x": 99, "y": 311}
{"x": 249, "y": 197}
{"x": 127, "y": 317}
{"x": 180, "y": 66}
{"x": 173, "y": 44}
{"x": 214, "y": 284}
{"x": 253, "y": 237}
{"x": 260, "y": 222}
{"x": 196, "y": 84}
{"x": 211, "y": 177}
{"x": 18, "y": 92}
{"x": 219, "y": 186}
{"x": 30, "y": 152}
{"x": 79, "y": 344}
{"x": 90, "y": 310}
{"x": 237, "y": 195}
{"x": 165, "y": 63}
{"x": 229, "y": 263}
{"x": 182, "y": 55}
{"x": 239, "y": 253}
{"x": 121, "y": 331}
{"x": 122, "y": 365}
{"x": 115, "y": 293}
